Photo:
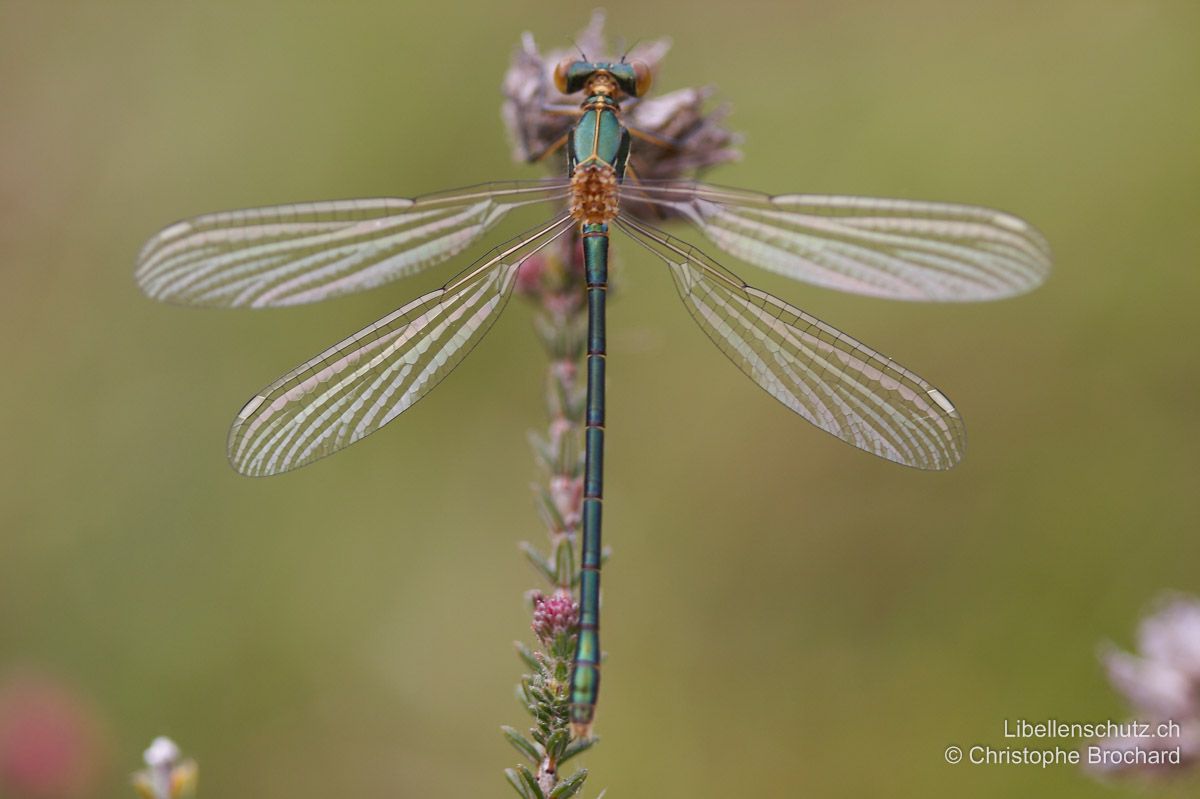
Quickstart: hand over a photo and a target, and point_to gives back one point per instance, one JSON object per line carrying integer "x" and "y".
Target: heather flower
{"x": 554, "y": 616}
{"x": 1162, "y": 684}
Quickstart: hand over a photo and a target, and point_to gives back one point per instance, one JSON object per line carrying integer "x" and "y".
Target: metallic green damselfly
{"x": 287, "y": 255}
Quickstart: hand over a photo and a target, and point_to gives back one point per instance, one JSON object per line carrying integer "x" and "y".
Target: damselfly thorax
{"x": 597, "y": 150}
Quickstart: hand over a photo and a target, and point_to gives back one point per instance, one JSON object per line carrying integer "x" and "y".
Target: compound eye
{"x": 642, "y": 73}
{"x": 560, "y": 74}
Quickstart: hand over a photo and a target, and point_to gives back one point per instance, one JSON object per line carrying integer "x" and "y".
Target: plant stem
{"x": 554, "y": 281}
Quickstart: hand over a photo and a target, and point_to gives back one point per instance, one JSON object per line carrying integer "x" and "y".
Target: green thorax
{"x": 599, "y": 137}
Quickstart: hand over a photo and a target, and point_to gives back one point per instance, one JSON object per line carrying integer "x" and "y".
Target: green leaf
{"x": 556, "y": 745}
{"x": 564, "y": 564}
{"x": 576, "y": 747}
{"x": 548, "y": 509}
{"x": 556, "y": 395}
{"x": 526, "y": 654}
{"x": 577, "y": 405}
{"x": 544, "y": 567}
{"x": 570, "y": 786}
{"x": 576, "y": 337}
{"x": 518, "y": 784}
{"x": 531, "y": 781}
{"x": 541, "y": 450}
{"x": 522, "y": 745}
{"x": 547, "y": 332}
{"x": 540, "y": 694}
{"x": 562, "y": 449}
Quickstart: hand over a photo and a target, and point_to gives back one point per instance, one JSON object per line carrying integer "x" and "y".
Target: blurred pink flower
{"x": 529, "y": 275}
{"x": 1162, "y": 683}
{"x": 51, "y": 741}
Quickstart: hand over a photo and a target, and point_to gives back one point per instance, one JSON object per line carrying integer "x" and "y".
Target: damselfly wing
{"x": 897, "y": 249}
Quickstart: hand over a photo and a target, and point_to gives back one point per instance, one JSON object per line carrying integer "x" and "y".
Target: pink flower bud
{"x": 554, "y": 615}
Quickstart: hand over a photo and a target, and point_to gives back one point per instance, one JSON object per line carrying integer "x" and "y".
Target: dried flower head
{"x": 553, "y": 616}
{"x": 1162, "y": 683}
{"x": 677, "y": 137}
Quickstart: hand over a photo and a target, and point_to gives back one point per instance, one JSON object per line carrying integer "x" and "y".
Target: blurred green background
{"x": 785, "y": 616}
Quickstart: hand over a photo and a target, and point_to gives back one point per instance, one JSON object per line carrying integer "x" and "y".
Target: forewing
{"x": 898, "y": 249}
{"x": 360, "y": 384}
{"x": 833, "y": 381}
{"x": 293, "y": 254}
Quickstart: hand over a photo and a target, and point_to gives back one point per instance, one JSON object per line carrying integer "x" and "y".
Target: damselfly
{"x": 286, "y": 255}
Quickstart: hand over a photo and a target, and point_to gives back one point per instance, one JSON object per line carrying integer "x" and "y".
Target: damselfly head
{"x": 572, "y": 75}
